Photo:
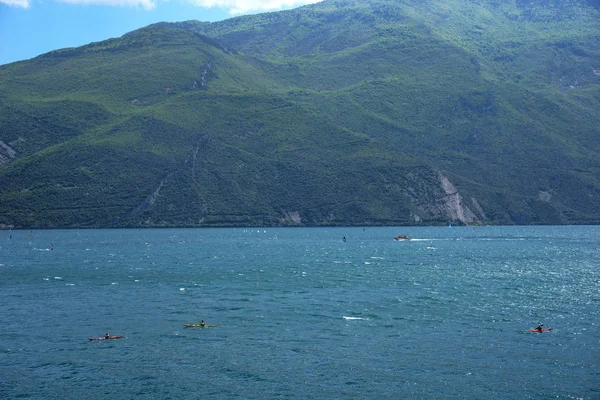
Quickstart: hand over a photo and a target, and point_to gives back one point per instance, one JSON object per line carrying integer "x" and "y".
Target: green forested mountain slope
{"x": 343, "y": 112}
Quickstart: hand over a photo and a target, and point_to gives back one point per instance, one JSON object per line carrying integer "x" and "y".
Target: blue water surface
{"x": 301, "y": 313}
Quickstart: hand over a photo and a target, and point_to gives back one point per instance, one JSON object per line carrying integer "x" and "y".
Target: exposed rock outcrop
{"x": 204, "y": 72}
{"x": 150, "y": 200}
{"x": 7, "y": 153}
{"x": 440, "y": 201}
{"x": 545, "y": 196}
{"x": 455, "y": 208}
{"x": 478, "y": 208}
{"x": 291, "y": 218}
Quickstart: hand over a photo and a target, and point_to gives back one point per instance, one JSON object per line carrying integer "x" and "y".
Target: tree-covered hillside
{"x": 339, "y": 113}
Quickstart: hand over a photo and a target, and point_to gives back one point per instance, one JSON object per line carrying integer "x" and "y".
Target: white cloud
{"x": 16, "y": 3}
{"x": 147, "y": 4}
{"x": 244, "y": 6}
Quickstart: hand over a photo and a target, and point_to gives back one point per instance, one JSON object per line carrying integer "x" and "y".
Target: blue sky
{"x": 29, "y": 28}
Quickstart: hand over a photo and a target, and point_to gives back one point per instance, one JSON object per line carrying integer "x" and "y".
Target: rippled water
{"x": 301, "y": 313}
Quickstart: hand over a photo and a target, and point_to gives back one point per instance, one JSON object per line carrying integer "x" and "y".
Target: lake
{"x": 301, "y": 314}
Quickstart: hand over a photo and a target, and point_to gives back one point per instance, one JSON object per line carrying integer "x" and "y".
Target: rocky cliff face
{"x": 444, "y": 202}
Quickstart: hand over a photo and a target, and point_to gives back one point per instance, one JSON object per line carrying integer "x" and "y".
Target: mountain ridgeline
{"x": 373, "y": 112}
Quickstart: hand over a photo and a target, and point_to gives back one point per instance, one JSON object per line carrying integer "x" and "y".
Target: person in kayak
{"x": 540, "y": 328}
{"x": 106, "y": 336}
{"x": 202, "y": 323}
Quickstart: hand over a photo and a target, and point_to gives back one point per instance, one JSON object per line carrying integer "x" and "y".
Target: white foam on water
{"x": 58, "y": 278}
{"x": 355, "y": 318}
{"x": 182, "y": 289}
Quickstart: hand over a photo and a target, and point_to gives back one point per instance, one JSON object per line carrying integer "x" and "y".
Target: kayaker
{"x": 540, "y": 328}
{"x": 106, "y": 336}
{"x": 202, "y": 323}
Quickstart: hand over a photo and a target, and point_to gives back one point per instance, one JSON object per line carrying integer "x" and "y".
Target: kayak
{"x": 537, "y": 331}
{"x": 200, "y": 325}
{"x": 106, "y": 338}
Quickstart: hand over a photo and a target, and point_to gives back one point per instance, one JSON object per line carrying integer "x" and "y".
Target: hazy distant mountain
{"x": 339, "y": 113}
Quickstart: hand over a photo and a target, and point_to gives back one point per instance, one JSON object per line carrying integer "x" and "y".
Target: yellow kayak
{"x": 200, "y": 325}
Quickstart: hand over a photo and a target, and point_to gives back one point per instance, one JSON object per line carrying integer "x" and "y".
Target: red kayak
{"x": 106, "y": 338}
{"x": 538, "y": 331}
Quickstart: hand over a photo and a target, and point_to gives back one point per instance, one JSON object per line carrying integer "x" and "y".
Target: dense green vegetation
{"x": 339, "y": 113}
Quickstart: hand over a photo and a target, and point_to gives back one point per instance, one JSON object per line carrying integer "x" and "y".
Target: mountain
{"x": 346, "y": 112}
